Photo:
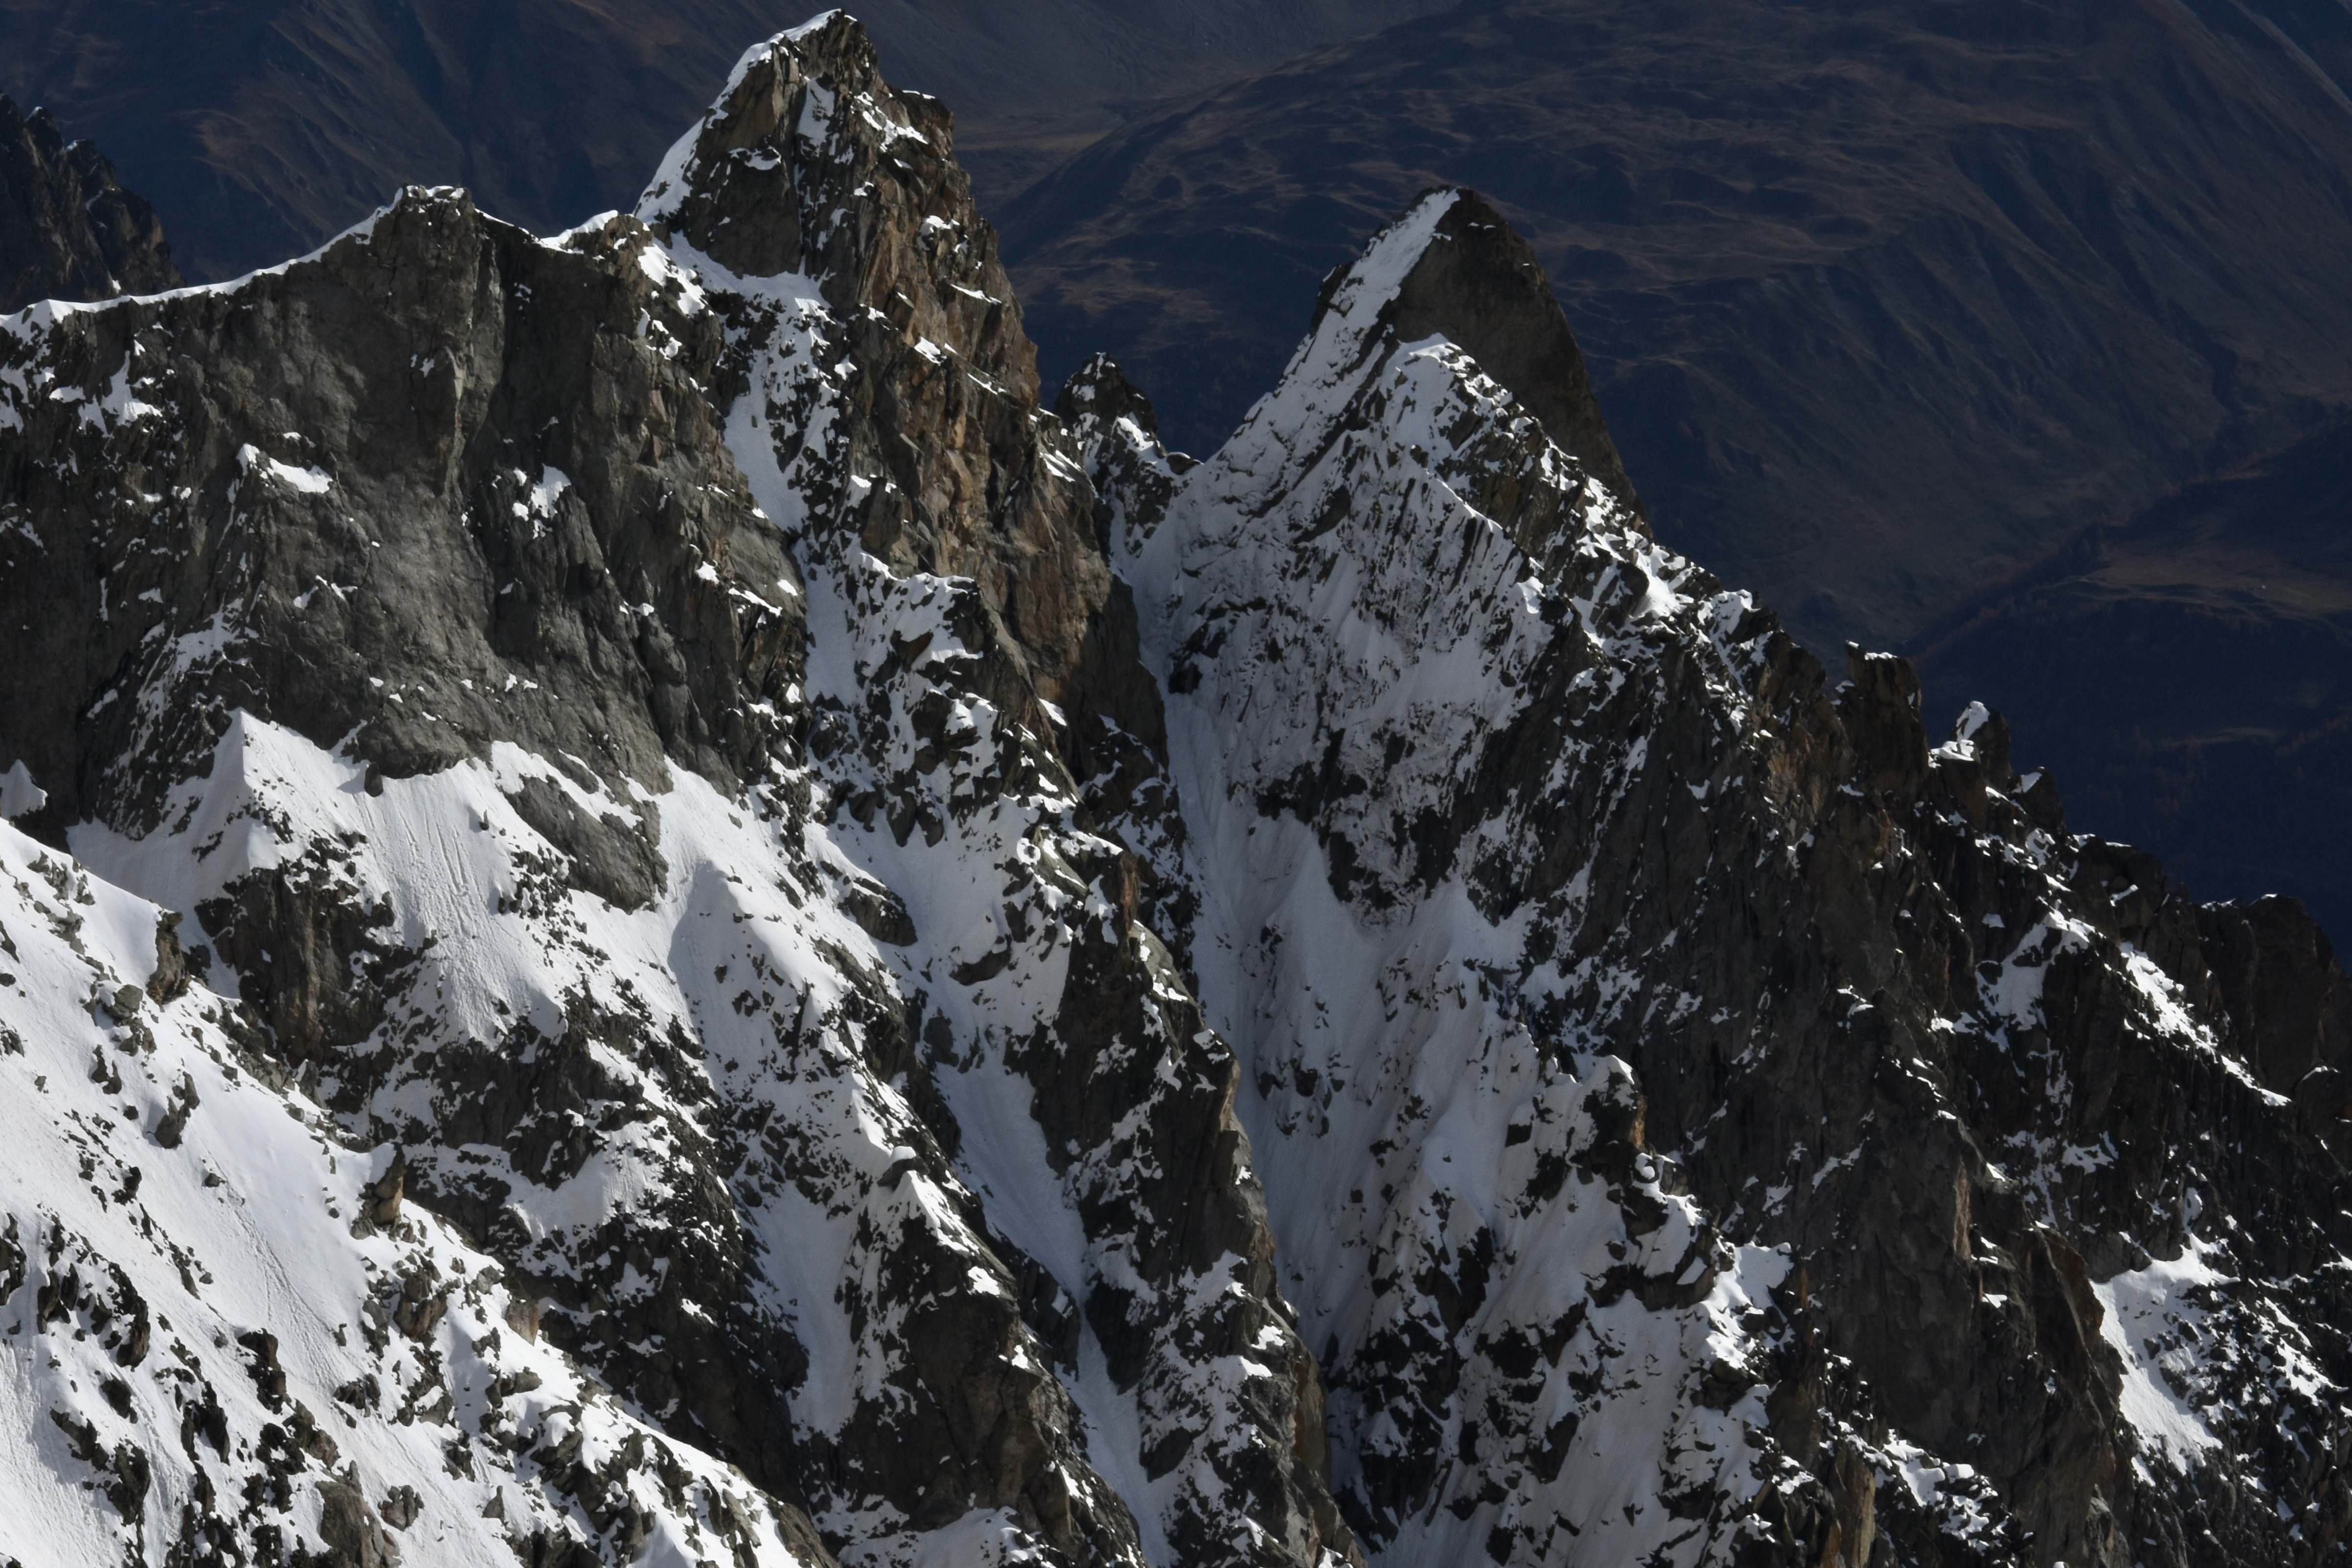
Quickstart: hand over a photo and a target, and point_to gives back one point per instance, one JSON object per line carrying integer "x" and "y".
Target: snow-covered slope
{"x": 226, "y": 1336}
{"x": 1419, "y": 1027}
{"x": 1522, "y": 847}
{"x": 638, "y": 784}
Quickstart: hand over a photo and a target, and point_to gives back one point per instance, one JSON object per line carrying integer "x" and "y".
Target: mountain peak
{"x": 1453, "y": 266}
{"x": 646, "y": 954}
{"x": 68, "y": 228}
{"x": 731, "y": 188}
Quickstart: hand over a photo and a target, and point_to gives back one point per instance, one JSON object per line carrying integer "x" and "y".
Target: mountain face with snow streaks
{"x": 1493, "y": 803}
{"x": 235, "y": 1341}
{"x": 651, "y": 919}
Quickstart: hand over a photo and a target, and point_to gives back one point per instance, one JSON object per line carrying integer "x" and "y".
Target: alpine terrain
{"x": 648, "y": 917}
{"x": 1899, "y": 309}
{"x": 68, "y": 228}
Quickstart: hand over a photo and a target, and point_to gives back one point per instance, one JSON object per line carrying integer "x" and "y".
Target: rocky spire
{"x": 1113, "y": 426}
{"x": 1478, "y": 284}
{"x": 67, "y": 230}
{"x": 948, "y": 531}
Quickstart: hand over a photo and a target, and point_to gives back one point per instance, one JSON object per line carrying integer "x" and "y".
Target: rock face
{"x": 68, "y": 230}
{"x": 716, "y": 937}
{"x": 1526, "y": 817}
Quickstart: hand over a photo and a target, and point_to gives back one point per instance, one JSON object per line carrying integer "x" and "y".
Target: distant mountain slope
{"x": 67, "y": 230}
{"x": 2204, "y": 650}
{"x": 262, "y": 127}
{"x": 1883, "y": 300}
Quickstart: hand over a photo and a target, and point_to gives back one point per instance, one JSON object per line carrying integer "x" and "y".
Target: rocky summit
{"x": 68, "y": 228}
{"x": 648, "y": 917}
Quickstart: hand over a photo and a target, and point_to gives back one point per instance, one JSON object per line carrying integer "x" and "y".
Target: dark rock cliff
{"x": 488, "y": 452}
{"x": 68, "y": 228}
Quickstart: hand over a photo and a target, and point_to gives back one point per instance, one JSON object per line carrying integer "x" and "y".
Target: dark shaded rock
{"x": 383, "y": 1195}
{"x": 429, "y": 593}
{"x": 67, "y": 230}
{"x": 171, "y": 980}
{"x": 268, "y": 1377}
{"x": 354, "y": 1532}
{"x": 613, "y": 857}
{"x": 1483, "y": 288}
{"x": 2287, "y": 1000}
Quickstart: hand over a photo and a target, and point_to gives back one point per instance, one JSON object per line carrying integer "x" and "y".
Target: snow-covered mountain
{"x": 1498, "y": 811}
{"x": 650, "y": 917}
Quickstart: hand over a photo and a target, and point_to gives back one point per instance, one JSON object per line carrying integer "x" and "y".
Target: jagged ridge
{"x": 1494, "y": 803}
{"x": 1427, "y": 1010}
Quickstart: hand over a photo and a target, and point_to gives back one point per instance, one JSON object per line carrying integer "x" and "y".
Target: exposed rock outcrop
{"x": 68, "y": 228}
{"x": 1506, "y": 792}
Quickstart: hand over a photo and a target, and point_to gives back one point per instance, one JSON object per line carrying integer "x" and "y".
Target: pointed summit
{"x": 1453, "y": 266}
{"x": 813, "y": 179}
{"x": 1118, "y": 432}
{"x": 810, "y": 163}
{"x": 68, "y": 228}
{"x": 728, "y": 187}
